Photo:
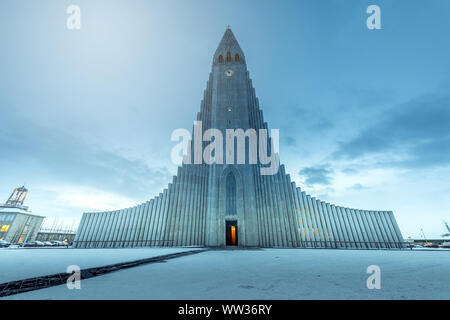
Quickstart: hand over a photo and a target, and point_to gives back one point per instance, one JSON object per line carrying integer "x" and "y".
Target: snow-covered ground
{"x": 270, "y": 274}
{"x": 23, "y": 263}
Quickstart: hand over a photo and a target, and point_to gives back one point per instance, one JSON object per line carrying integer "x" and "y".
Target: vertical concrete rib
{"x": 360, "y": 228}
{"x": 142, "y": 224}
{"x": 343, "y": 238}
{"x": 378, "y": 229}
{"x": 355, "y": 228}
{"x": 148, "y": 226}
{"x": 102, "y": 230}
{"x": 303, "y": 219}
{"x": 276, "y": 212}
{"x": 79, "y": 237}
{"x": 386, "y": 229}
{"x": 314, "y": 224}
{"x": 395, "y": 226}
{"x": 188, "y": 212}
{"x": 345, "y": 227}
{"x": 309, "y": 234}
{"x": 161, "y": 218}
{"x": 327, "y": 224}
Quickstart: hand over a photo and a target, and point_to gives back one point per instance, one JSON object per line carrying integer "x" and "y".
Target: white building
{"x": 17, "y": 223}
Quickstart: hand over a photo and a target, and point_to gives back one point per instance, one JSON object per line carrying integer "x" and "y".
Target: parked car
{"x": 445, "y": 245}
{"x": 33, "y": 244}
{"x": 48, "y": 243}
{"x": 55, "y": 243}
{"x": 59, "y": 243}
{"x": 4, "y": 244}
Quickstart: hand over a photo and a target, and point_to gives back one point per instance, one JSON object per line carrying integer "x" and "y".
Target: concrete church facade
{"x": 217, "y": 204}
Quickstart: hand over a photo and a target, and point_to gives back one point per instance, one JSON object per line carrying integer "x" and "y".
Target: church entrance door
{"x": 231, "y": 233}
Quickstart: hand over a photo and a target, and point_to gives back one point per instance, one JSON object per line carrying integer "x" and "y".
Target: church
{"x": 219, "y": 204}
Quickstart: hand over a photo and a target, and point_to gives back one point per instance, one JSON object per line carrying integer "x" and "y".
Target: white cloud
{"x": 88, "y": 198}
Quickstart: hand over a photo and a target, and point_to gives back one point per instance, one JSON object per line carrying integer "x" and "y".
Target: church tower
{"x": 237, "y": 193}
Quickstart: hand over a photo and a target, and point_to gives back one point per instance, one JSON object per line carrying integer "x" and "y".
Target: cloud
{"x": 319, "y": 175}
{"x": 417, "y": 133}
{"x": 358, "y": 186}
{"x": 88, "y": 198}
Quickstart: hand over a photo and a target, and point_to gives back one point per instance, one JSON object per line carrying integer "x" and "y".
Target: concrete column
{"x": 386, "y": 229}
{"x": 309, "y": 226}
{"x": 377, "y": 231}
{"x": 110, "y": 226}
{"x": 292, "y": 211}
{"x": 92, "y": 230}
{"x": 327, "y": 224}
{"x": 303, "y": 219}
{"x": 342, "y": 236}
{"x": 147, "y": 230}
{"x": 153, "y": 223}
{"x": 345, "y": 224}
{"x": 380, "y": 224}
{"x": 81, "y": 231}
{"x": 271, "y": 234}
{"x": 164, "y": 218}
{"x": 134, "y": 226}
{"x": 160, "y": 221}
{"x": 104, "y": 229}
{"x": 174, "y": 227}
{"x": 314, "y": 224}
{"x": 128, "y": 227}
{"x": 355, "y": 228}
{"x": 395, "y": 225}
{"x": 142, "y": 224}
{"x": 367, "y": 228}
{"x": 300, "y": 223}
{"x": 188, "y": 213}
{"x": 392, "y": 233}
{"x": 170, "y": 217}
{"x": 321, "y": 224}
{"x": 360, "y": 227}
{"x": 182, "y": 207}
{"x": 274, "y": 216}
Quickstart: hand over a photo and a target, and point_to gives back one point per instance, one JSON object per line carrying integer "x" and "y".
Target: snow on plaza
{"x": 236, "y": 274}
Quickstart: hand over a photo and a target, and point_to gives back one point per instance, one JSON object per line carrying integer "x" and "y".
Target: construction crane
{"x": 17, "y": 197}
{"x": 448, "y": 229}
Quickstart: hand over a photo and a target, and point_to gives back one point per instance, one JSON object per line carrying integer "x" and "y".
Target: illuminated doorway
{"x": 231, "y": 233}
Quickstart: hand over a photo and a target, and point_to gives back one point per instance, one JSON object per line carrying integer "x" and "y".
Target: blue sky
{"x": 364, "y": 115}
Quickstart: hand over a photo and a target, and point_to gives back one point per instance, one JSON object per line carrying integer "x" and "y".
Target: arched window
{"x": 236, "y": 58}
{"x": 228, "y": 56}
{"x": 220, "y": 58}
{"x": 231, "y": 194}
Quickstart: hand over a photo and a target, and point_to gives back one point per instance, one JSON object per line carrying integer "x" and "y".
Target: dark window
{"x": 231, "y": 194}
{"x": 236, "y": 58}
{"x": 220, "y": 58}
{"x": 228, "y": 56}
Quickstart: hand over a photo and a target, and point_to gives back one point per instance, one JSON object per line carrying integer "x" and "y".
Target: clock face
{"x": 229, "y": 73}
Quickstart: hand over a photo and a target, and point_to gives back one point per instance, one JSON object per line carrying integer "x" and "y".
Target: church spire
{"x": 229, "y": 46}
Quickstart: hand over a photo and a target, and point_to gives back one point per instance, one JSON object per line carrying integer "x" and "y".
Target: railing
{"x": 121, "y": 243}
{"x": 326, "y": 244}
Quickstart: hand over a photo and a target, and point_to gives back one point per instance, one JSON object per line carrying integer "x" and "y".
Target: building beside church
{"x": 17, "y": 223}
{"x": 223, "y": 204}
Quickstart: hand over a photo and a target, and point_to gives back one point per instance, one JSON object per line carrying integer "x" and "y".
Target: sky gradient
{"x": 364, "y": 115}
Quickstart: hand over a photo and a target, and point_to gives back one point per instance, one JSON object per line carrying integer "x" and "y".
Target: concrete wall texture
{"x": 268, "y": 210}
